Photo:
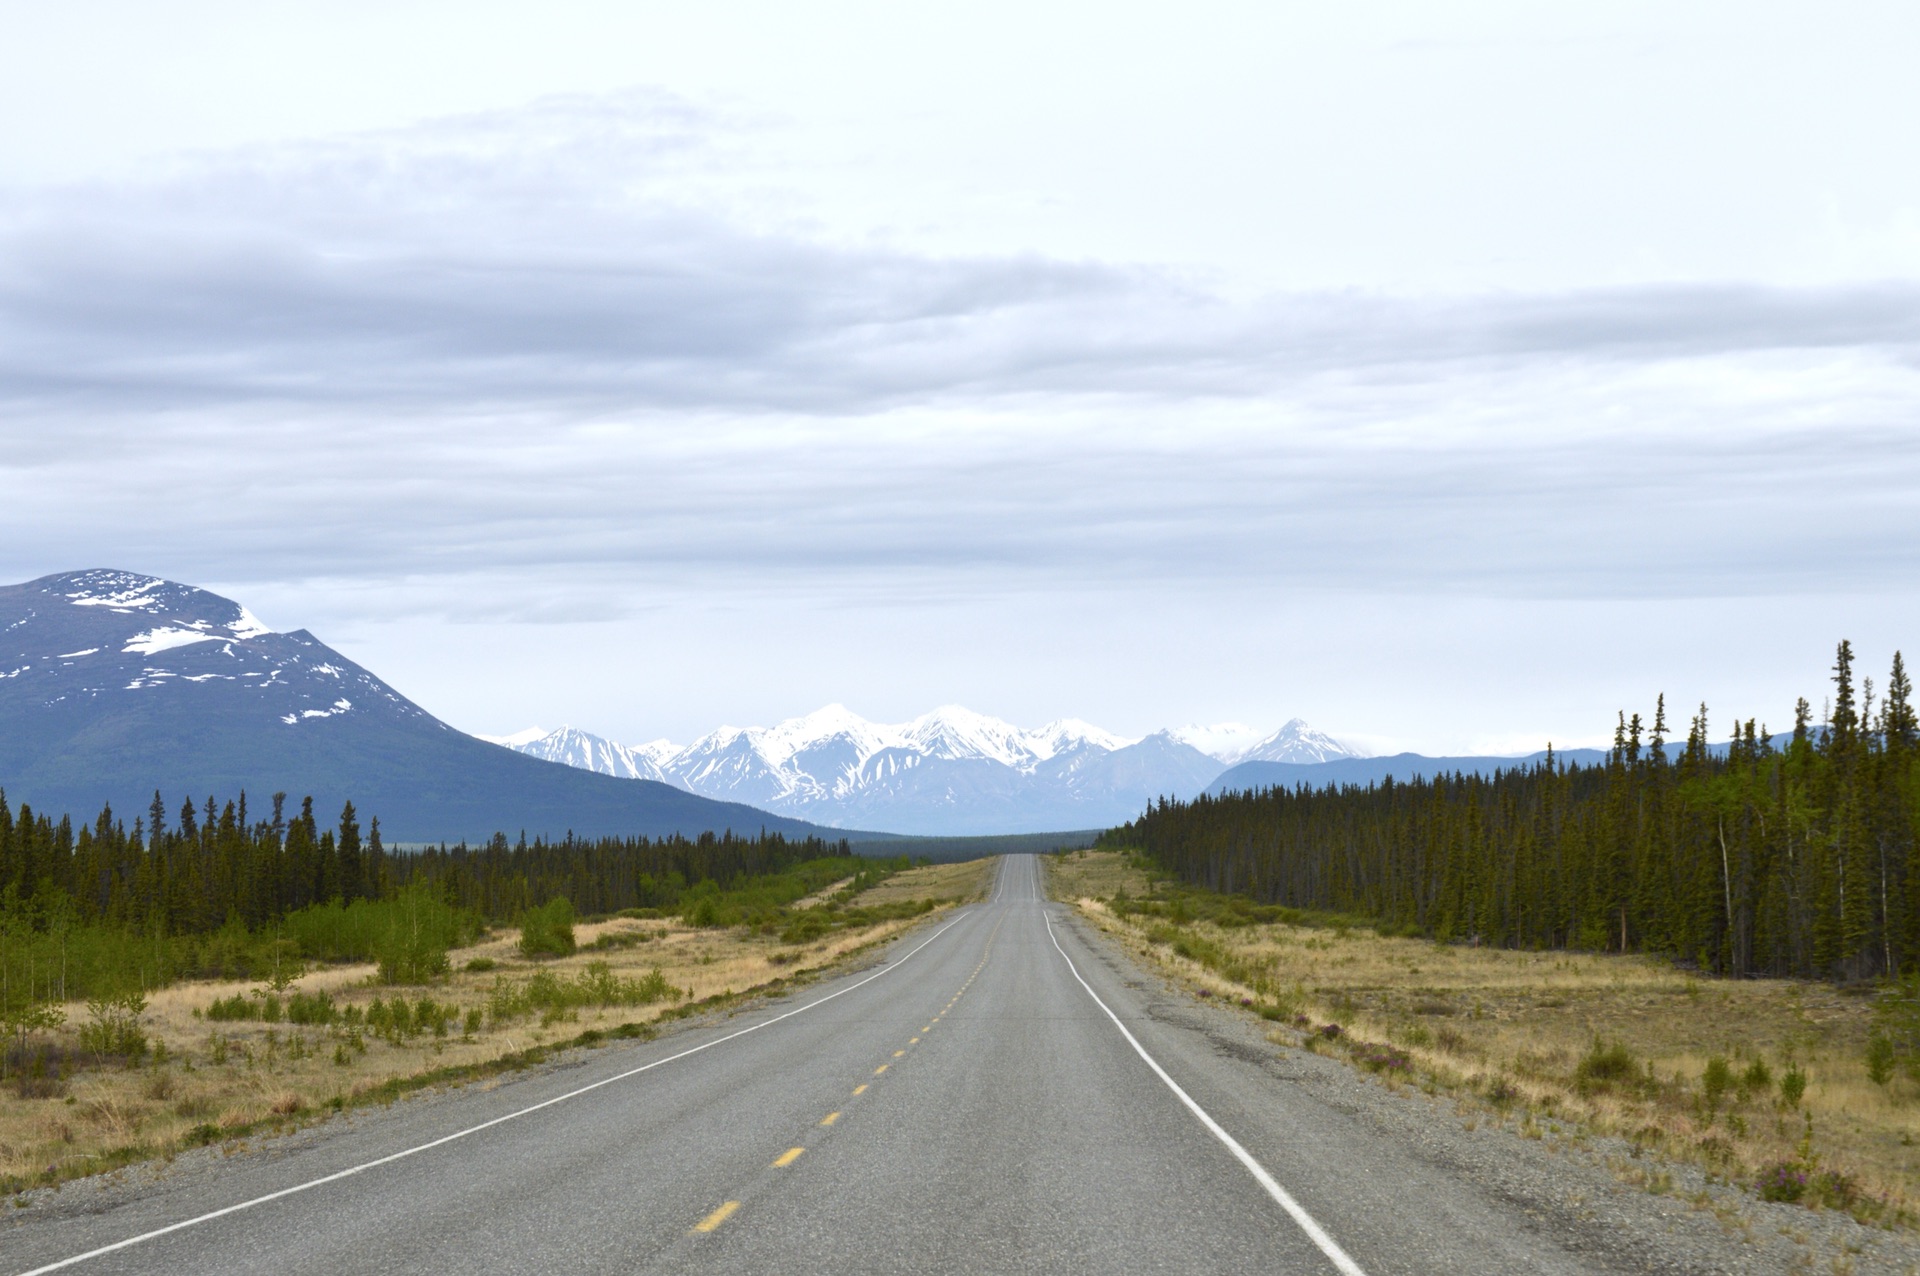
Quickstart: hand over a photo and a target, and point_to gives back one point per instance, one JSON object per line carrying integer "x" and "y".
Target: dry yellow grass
{"x": 209, "y": 1079}
{"x": 1515, "y": 1025}
{"x": 944, "y": 883}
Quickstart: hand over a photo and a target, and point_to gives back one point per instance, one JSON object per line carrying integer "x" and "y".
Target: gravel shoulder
{"x": 1589, "y": 1194}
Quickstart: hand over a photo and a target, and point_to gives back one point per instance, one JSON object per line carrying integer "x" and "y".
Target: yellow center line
{"x": 882, "y": 1068}
{"x": 859, "y": 1089}
{"x": 916, "y": 1040}
{"x": 831, "y": 1117}
{"x": 898, "y": 1053}
{"x": 787, "y": 1158}
{"x": 716, "y": 1218}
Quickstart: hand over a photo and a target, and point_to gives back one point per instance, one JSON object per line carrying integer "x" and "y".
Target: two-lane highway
{"x": 994, "y": 1097}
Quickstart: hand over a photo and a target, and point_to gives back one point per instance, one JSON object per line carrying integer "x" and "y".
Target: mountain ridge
{"x": 114, "y": 684}
{"x": 949, "y": 771}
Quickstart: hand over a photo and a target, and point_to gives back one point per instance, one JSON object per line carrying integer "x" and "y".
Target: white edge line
{"x": 484, "y": 1125}
{"x": 1315, "y": 1233}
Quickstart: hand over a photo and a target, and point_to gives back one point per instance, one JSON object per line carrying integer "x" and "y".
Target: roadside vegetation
{"x": 1776, "y": 1085}
{"x": 1759, "y": 855}
{"x": 351, "y": 1001}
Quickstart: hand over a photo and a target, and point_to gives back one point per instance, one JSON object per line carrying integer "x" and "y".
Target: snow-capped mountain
{"x": 1235, "y": 742}
{"x": 590, "y": 752}
{"x": 113, "y": 685}
{"x": 1295, "y": 742}
{"x": 133, "y": 636}
{"x": 948, "y": 771}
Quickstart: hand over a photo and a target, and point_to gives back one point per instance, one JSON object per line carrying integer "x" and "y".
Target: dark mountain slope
{"x": 113, "y": 685}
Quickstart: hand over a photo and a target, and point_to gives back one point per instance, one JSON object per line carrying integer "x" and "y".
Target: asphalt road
{"x": 969, "y": 1105}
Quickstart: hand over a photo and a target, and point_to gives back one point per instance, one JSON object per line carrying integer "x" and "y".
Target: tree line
{"x": 211, "y": 867}
{"x": 213, "y": 891}
{"x": 1761, "y": 855}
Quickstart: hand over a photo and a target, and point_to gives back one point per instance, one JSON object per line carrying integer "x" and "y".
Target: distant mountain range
{"x": 951, "y": 771}
{"x": 1261, "y": 774}
{"x": 113, "y": 685}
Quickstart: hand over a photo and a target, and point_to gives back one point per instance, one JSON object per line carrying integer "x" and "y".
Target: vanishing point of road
{"x": 994, "y": 1096}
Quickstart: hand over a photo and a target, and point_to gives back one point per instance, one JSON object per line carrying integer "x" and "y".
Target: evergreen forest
{"x": 1755, "y": 855}
{"x": 213, "y": 891}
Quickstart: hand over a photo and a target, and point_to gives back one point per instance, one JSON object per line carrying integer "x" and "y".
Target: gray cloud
{"x": 572, "y": 258}
{"x": 544, "y": 349}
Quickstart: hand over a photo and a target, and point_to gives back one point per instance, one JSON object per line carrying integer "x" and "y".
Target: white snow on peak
{"x": 812, "y": 764}
{"x": 334, "y": 710}
{"x": 1065, "y": 734}
{"x": 75, "y": 655}
{"x": 659, "y": 752}
{"x": 165, "y": 638}
{"x": 830, "y": 722}
{"x": 953, "y": 731}
{"x": 248, "y": 626}
{"x": 1297, "y": 742}
{"x": 127, "y": 593}
{"x": 588, "y": 752}
{"x": 518, "y": 738}
{"x": 1225, "y": 741}
{"x": 121, "y": 591}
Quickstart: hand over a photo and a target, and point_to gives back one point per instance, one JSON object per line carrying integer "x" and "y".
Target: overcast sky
{"x": 1450, "y": 376}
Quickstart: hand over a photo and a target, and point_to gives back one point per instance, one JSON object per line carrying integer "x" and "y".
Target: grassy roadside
{"x": 336, "y": 1038}
{"x": 1761, "y": 1083}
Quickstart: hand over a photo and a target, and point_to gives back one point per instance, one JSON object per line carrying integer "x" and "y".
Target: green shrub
{"x": 806, "y": 927}
{"x": 1605, "y": 1066}
{"x": 413, "y": 937}
{"x": 555, "y": 995}
{"x": 408, "y": 935}
{"x": 479, "y": 965}
{"x": 398, "y": 1019}
{"x": 314, "y": 1008}
{"x": 307, "y": 1008}
{"x": 1782, "y": 1181}
{"x": 547, "y": 931}
{"x": 1716, "y": 1081}
{"x": 1793, "y": 1085}
{"x": 1757, "y": 1079}
{"x": 1880, "y": 1058}
{"x": 113, "y": 1027}
{"x": 238, "y": 1006}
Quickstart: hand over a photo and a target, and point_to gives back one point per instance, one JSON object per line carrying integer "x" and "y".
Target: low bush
{"x": 1880, "y": 1058}
{"x": 1793, "y": 1085}
{"x": 1715, "y": 1081}
{"x": 547, "y": 931}
{"x": 597, "y": 985}
{"x": 408, "y": 934}
{"x": 113, "y": 1027}
{"x": 313, "y": 1008}
{"x": 1782, "y": 1181}
{"x": 238, "y": 1006}
{"x": 399, "y": 1019}
{"x": 1605, "y": 1066}
{"x": 1381, "y": 1058}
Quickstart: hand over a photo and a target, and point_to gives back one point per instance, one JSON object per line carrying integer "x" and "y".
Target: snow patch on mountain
{"x": 935, "y": 771}
{"x": 153, "y": 641}
{"x": 1223, "y": 740}
{"x": 122, "y": 591}
{"x": 518, "y": 738}
{"x": 576, "y": 748}
{"x": 1297, "y": 742}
